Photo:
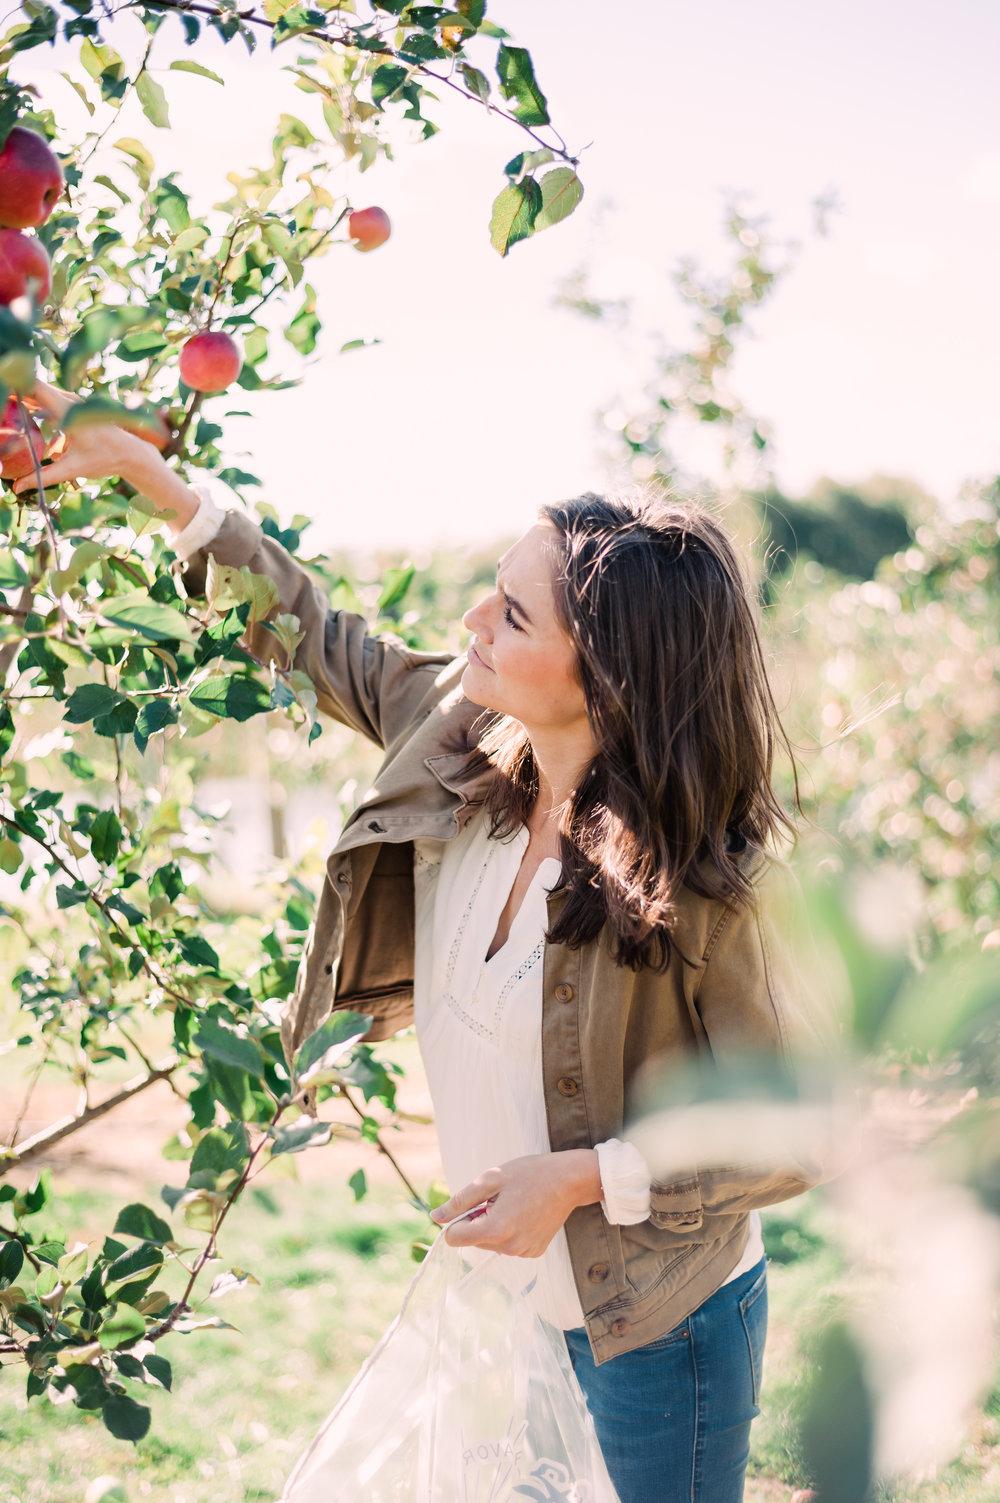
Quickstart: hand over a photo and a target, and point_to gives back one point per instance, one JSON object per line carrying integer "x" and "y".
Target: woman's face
{"x": 522, "y": 661}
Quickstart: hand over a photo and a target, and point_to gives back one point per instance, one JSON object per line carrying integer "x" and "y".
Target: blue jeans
{"x": 673, "y": 1417}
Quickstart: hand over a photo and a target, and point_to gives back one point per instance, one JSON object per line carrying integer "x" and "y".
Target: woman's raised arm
{"x": 373, "y": 684}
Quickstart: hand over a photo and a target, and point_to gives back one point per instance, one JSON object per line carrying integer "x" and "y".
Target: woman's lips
{"x": 474, "y": 657}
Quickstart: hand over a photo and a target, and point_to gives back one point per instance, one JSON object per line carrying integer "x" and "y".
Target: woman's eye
{"x": 508, "y": 616}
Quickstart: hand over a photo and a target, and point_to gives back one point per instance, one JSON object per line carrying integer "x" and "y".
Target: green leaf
{"x": 105, "y": 836}
{"x": 91, "y": 700}
{"x": 517, "y": 81}
{"x": 359, "y": 1184}
{"x": 94, "y": 334}
{"x": 525, "y": 162}
{"x": 306, "y": 1133}
{"x": 221, "y": 1149}
{"x": 141, "y": 346}
{"x": 476, "y": 81}
{"x": 122, "y": 1325}
{"x": 126, "y": 1419}
{"x": 86, "y": 554}
{"x": 562, "y": 190}
{"x": 11, "y": 1262}
{"x": 153, "y": 100}
{"x": 386, "y": 80}
{"x": 514, "y": 211}
{"x": 137, "y": 1220}
{"x": 118, "y": 722}
{"x": 323, "y": 1049}
{"x": 198, "y": 951}
{"x": 148, "y": 618}
{"x": 235, "y": 698}
{"x": 160, "y": 1369}
{"x": 192, "y": 237}
{"x": 223, "y": 1041}
{"x": 70, "y": 897}
{"x": 7, "y": 729}
{"x": 12, "y": 575}
{"x": 132, "y": 1272}
{"x": 395, "y": 588}
{"x": 155, "y": 715}
{"x": 188, "y": 67}
{"x": 80, "y": 767}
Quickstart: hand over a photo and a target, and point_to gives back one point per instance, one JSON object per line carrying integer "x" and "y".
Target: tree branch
{"x": 66, "y": 1126}
{"x": 345, "y": 37}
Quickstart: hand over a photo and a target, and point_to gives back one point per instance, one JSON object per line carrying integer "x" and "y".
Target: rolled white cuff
{"x": 625, "y": 1181}
{"x": 215, "y": 497}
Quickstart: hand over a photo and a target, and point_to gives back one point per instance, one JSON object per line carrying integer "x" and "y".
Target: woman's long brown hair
{"x": 655, "y": 600}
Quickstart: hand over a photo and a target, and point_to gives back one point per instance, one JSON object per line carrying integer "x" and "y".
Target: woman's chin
{"x": 473, "y": 687}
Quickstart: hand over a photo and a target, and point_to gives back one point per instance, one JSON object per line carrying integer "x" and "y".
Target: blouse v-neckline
{"x": 520, "y": 840}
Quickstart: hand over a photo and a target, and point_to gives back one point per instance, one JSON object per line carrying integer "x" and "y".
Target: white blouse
{"x": 479, "y": 1029}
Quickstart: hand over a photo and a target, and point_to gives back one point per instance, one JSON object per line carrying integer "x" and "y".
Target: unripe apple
{"x": 18, "y": 443}
{"x": 31, "y": 179}
{"x": 210, "y": 361}
{"x": 17, "y": 371}
{"x": 23, "y": 259}
{"x": 369, "y": 228}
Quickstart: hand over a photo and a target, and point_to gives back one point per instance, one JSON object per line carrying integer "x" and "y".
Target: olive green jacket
{"x": 601, "y": 1022}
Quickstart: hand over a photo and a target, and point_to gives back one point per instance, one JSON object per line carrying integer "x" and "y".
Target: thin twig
{"x": 29, "y": 1092}
{"x": 208, "y": 1251}
{"x": 376, "y": 1139}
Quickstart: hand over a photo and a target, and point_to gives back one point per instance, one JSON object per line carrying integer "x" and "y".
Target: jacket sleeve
{"x": 373, "y": 684}
{"x": 760, "y": 1116}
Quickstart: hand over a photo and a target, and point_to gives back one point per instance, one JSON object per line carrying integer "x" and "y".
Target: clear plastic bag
{"x": 469, "y": 1397}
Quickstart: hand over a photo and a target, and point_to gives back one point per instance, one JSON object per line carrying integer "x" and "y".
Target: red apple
{"x": 23, "y": 259}
{"x": 17, "y": 443}
{"x": 31, "y": 179}
{"x": 210, "y": 361}
{"x": 369, "y": 228}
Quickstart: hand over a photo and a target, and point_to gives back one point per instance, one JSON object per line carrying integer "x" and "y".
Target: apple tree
{"x": 116, "y": 287}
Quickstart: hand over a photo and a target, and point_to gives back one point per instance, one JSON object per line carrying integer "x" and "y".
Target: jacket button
{"x": 598, "y": 1273}
{"x": 567, "y": 1086}
{"x": 564, "y": 992}
{"x": 619, "y": 1327}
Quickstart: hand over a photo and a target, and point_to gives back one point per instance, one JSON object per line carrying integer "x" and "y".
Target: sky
{"x": 877, "y": 354}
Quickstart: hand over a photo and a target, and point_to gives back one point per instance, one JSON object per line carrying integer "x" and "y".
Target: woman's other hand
{"x": 103, "y": 451}
{"x": 525, "y": 1202}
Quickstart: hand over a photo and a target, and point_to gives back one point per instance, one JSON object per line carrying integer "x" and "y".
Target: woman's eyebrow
{"x": 515, "y": 605}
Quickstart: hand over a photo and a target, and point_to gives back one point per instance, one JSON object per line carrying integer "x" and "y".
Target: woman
{"x": 560, "y": 871}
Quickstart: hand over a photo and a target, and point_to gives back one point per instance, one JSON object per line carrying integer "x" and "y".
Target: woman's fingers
{"x": 466, "y": 1199}
{"x": 55, "y": 473}
{"x": 51, "y": 400}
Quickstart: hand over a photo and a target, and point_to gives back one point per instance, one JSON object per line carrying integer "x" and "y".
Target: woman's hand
{"x": 103, "y": 451}
{"x": 526, "y": 1202}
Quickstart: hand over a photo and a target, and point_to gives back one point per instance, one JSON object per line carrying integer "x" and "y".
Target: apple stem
{"x": 176, "y": 444}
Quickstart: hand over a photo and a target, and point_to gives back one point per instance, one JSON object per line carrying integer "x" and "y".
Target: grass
{"x": 246, "y": 1402}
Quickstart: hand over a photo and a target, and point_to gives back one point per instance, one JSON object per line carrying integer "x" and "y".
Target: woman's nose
{"x": 477, "y": 620}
